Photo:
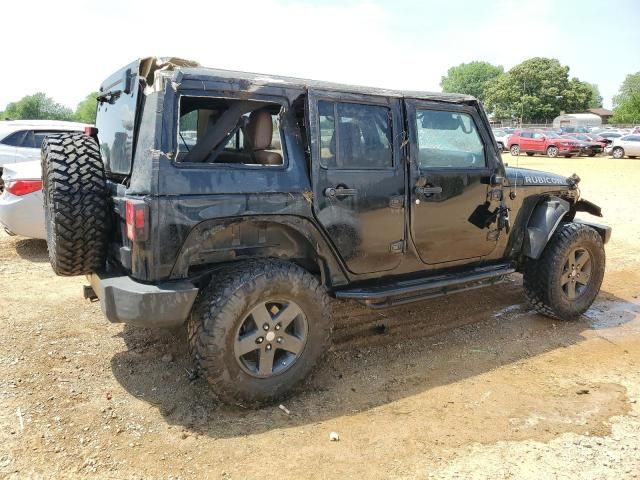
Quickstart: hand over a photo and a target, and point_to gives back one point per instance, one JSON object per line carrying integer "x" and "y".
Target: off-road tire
{"x": 76, "y": 200}
{"x": 542, "y": 282}
{"x": 222, "y": 306}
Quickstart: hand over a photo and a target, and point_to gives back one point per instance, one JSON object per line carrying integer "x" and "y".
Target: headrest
{"x": 260, "y": 129}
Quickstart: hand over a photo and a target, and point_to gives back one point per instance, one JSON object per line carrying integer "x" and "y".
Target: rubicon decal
{"x": 544, "y": 180}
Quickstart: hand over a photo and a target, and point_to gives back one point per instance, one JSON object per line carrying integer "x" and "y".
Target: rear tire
{"x": 75, "y": 204}
{"x": 244, "y": 302}
{"x": 515, "y": 150}
{"x": 565, "y": 280}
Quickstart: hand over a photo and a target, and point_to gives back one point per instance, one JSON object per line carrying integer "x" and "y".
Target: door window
{"x": 16, "y": 139}
{"x": 448, "y": 140}
{"x": 355, "y": 136}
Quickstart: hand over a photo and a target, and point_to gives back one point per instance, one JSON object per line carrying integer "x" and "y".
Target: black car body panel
{"x": 351, "y": 226}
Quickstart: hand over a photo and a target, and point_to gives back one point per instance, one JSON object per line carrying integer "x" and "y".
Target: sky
{"x": 67, "y": 48}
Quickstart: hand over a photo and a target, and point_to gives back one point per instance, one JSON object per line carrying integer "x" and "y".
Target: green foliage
{"x": 86, "y": 109}
{"x": 470, "y": 78}
{"x": 537, "y": 90}
{"x": 596, "y": 98}
{"x": 626, "y": 105}
{"x": 36, "y": 107}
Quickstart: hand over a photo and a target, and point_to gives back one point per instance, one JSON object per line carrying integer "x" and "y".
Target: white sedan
{"x": 628, "y": 145}
{"x": 21, "y": 210}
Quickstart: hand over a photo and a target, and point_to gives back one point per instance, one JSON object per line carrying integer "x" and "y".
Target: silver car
{"x": 21, "y": 210}
{"x": 628, "y": 145}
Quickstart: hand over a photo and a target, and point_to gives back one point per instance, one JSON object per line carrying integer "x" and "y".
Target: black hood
{"x": 526, "y": 176}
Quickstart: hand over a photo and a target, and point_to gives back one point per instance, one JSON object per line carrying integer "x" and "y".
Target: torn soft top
{"x": 191, "y": 70}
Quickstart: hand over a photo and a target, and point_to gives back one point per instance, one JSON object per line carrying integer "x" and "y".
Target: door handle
{"x": 428, "y": 190}
{"x": 332, "y": 192}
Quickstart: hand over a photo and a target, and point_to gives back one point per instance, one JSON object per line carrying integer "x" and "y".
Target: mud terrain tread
{"x": 76, "y": 203}
{"x": 537, "y": 273}
{"x": 216, "y": 312}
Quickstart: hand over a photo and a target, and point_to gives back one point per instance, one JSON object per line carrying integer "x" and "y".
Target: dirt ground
{"x": 470, "y": 386}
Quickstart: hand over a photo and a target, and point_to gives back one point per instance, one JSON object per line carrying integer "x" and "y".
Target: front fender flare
{"x": 543, "y": 222}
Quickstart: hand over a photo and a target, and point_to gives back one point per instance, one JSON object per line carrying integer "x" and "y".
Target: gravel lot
{"x": 471, "y": 386}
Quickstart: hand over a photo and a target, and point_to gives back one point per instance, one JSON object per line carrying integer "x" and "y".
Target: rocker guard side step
{"x": 414, "y": 290}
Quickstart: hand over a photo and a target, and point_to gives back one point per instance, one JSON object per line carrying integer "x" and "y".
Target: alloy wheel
{"x": 576, "y": 273}
{"x": 271, "y": 338}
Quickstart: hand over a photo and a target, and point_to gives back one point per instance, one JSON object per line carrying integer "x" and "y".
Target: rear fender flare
{"x": 544, "y": 220}
{"x": 224, "y": 240}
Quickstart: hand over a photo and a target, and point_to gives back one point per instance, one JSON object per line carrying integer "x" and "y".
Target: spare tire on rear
{"x": 77, "y": 217}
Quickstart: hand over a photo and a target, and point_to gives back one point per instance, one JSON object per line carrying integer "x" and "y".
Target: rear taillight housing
{"x": 137, "y": 220}
{"x": 23, "y": 187}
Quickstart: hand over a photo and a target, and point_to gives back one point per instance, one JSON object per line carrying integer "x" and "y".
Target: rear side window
{"x": 228, "y": 131}
{"x": 526, "y": 135}
{"x": 354, "y": 136}
{"x": 15, "y": 139}
{"x": 448, "y": 140}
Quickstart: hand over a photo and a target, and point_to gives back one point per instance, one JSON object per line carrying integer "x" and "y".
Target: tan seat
{"x": 258, "y": 140}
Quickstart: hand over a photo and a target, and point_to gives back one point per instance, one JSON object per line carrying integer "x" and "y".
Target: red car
{"x": 547, "y": 143}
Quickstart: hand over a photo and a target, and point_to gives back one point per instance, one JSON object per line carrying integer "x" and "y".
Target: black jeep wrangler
{"x": 242, "y": 203}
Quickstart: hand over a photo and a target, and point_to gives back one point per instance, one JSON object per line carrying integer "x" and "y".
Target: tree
{"x": 470, "y": 78}
{"x": 86, "y": 109}
{"x": 537, "y": 90}
{"x": 36, "y": 107}
{"x": 596, "y": 99}
{"x": 626, "y": 105}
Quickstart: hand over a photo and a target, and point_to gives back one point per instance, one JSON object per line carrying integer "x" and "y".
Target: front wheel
{"x": 258, "y": 329}
{"x": 515, "y": 150}
{"x": 618, "y": 152}
{"x": 552, "y": 152}
{"x": 565, "y": 280}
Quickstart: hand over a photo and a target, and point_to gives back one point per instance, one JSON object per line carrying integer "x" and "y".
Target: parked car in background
{"x": 597, "y": 138}
{"x": 611, "y": 134}
{"x": 548, "y": 143}
{"x": 20, "y": 140}
{"x": 21, "y": 210}
{"x": 587, "y": 146}
{"x": 502, "y": 138}
{"x": 629, "y": 146}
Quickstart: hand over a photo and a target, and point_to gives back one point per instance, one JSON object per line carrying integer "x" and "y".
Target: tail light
{"x": 23, "y": 187}
{"x": 136, "y": 218}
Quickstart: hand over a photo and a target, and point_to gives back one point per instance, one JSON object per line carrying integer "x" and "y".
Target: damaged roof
{"x": 190, "y": 71}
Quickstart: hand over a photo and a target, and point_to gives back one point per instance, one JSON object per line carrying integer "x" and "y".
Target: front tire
{"x": 565, "y": 280}
{"x": 552, "y": 152}
{"x": 258, "y": 329}
{"x": 618, "y": 153}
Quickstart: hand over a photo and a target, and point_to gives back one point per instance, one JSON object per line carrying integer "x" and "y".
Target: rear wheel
{"x": 617, "y": 152}
{"x": 552, "y": 152}
{"x": 565, "y": 280}
{"x": 592, "y": 154}
{"x": 75, "y": 204}
{"x": 258, "y": 329}
{"x": 515, "y": 150}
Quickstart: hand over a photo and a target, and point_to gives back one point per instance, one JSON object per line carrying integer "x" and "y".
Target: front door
{"x": 451, "y": 168}
{"x": 358, "y": 177}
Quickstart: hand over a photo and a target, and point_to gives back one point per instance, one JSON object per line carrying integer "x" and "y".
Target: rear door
{"x": 358, "y": 177}
{"x": 451, "y": 164}
{"x": 526, "y": 143}
{"x": 538, "y": 142}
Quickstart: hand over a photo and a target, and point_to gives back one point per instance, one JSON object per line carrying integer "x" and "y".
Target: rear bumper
{"x": 124, "y": 300}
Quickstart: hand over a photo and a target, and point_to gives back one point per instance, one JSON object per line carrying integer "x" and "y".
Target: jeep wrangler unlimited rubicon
{"x": 242, "y": 203}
